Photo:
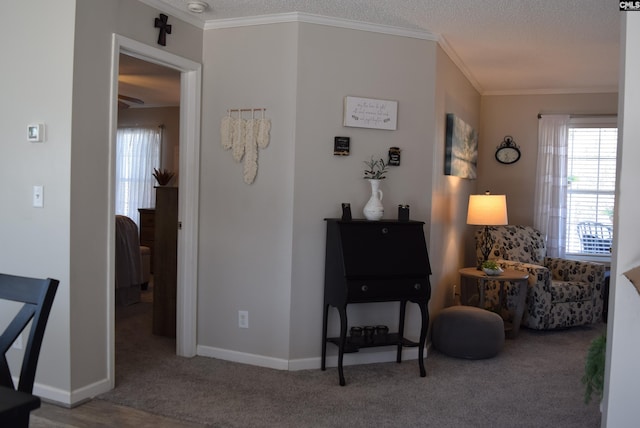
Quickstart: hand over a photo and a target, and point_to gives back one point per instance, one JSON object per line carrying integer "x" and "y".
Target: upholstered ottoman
{"x": 468, "y": 332}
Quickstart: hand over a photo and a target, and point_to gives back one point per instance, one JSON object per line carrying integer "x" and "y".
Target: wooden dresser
{"x": 147, "y": 229}
{"x": 165, "y": 271}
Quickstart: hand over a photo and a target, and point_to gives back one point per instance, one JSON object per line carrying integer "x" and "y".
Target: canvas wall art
{"x": 461, "y": 153}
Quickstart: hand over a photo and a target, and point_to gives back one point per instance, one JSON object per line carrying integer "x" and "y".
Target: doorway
{"x": 189, "y": 148}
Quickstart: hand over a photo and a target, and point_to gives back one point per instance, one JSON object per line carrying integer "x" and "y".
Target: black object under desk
{"x": 375, "y": 261}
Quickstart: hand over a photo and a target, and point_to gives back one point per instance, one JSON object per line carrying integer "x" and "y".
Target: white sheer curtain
{"x": 550, "y": 203}
{"x": 137, "y": 153}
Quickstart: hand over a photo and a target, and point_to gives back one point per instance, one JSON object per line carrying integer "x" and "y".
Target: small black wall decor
{"x": 165, "y": 29}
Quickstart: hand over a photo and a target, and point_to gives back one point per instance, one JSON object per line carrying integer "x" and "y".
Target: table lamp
{"x": 487, "y": 210}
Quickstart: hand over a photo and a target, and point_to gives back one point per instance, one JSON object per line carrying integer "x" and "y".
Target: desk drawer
{"x": 377, "y": 290}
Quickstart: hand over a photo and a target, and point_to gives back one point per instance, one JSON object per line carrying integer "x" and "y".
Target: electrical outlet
{"x": 243, "y": 319}
{"x": 18, "y": 342}
{"x": 38, "y": 196}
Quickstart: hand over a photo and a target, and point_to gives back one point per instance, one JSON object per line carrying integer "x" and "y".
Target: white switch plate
{"x": 38, "y": 196}
{"x": 243, "y": 319}
{"x": 35, "y": 132}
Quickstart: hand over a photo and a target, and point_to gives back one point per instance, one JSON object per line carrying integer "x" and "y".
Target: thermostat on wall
{"x": 35, "y": 132}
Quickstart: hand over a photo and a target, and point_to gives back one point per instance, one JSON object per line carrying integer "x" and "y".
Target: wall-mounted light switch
{"x": 38, "y": 196}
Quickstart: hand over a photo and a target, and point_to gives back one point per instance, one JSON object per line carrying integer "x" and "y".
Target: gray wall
{"x": 263, "y": 244}
{"x": 62, "y": 77}
{"x": 96, "y": 21}
{"x": 246, "y": 230}
{"x": 333, "y": 63}
{"x": 450, "y": 235}
{"x": 517, "y": 115}
{"x": 36, "y": 86}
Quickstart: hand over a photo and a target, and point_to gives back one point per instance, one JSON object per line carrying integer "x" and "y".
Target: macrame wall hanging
{"x": 244, "y": 137}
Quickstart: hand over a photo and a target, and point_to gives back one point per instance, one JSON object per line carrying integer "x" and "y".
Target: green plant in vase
{"x": 490, "y": 264}
{"x": 376, "y": 169}
{"x": 163, "y": 176}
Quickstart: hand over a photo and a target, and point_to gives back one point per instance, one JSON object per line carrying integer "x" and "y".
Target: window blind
{"x": 591, "y": 173}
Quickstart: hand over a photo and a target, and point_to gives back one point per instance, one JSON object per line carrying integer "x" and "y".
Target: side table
{"x": 509, "y": 275}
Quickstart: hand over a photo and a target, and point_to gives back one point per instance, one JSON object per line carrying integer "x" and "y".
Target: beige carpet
{"x": 533, "y": 382}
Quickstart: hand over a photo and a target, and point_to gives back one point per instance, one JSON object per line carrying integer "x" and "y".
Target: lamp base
{"x": 487, "y": 245}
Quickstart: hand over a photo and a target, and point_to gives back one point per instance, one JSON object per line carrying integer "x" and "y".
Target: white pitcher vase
{"x": 374, "y": 210}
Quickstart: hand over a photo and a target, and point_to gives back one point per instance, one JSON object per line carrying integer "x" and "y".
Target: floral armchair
{"x": 561, "y": 293}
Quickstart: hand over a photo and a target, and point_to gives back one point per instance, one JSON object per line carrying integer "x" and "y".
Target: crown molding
{"x": 213, "y": 24}
{"x": 453, "y": 56}
{"x": 320, "y": 20}
{"x": 555, "y": 91}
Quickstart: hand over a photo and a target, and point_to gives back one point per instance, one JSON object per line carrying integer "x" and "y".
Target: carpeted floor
{"x": 533, "y": 382}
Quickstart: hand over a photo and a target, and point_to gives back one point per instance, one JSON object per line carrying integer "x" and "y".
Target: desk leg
{"x": 343, "y": 341}
{"x": 522, "y": 299}
{"x": 424, "y": 312}
{"x": 325, "y": 316}
{"x": 403, "y": 309}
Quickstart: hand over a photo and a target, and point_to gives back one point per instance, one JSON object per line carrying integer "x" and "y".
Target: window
{"x": 591, "y": 173}
{"x": 137, "y": 154}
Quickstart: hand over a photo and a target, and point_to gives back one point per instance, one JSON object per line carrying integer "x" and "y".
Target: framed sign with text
{"x": 370, "y": 113}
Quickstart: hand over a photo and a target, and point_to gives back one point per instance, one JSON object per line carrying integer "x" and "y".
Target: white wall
{"x": 623, "y": 347}
{"x": 36, "y": 86}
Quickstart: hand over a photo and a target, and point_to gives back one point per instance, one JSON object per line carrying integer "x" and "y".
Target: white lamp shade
{"x": 487, "y": 210}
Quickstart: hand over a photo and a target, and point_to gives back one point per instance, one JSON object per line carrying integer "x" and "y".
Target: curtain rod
{"x": 582, "y": 115}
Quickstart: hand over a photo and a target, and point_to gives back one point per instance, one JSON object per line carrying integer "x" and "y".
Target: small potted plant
{"x": 163, "y": 176}
{"x": 593, "y": 378}
{"x": 491, "y": 267}
{"x": 376, "y": 169}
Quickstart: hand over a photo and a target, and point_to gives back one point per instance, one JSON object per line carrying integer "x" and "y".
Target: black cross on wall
{"x": 165, "y": 29}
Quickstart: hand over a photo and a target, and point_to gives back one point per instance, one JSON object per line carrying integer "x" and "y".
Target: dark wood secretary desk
{"x": 375, "y": 261}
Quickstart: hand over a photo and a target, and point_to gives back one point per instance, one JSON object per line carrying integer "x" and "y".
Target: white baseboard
{"x": 368, "y": 356}
{"x": 70, "y": 399}
{"x": 242, "y": 357}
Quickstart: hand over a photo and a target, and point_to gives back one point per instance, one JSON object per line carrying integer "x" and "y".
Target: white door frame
{"x": 188, "y": 197}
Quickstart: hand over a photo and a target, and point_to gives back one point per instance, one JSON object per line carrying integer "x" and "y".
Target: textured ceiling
{"x": 503, "y": 46}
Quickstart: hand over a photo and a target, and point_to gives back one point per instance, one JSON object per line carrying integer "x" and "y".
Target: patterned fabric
{"x": 562, "y": 293}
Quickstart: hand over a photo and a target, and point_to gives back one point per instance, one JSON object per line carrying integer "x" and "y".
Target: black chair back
{"x": 37, "y": 298}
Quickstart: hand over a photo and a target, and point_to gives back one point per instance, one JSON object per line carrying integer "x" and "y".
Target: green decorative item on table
{"x": 376, "y": 169}
{"x": 491, "y": 267}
